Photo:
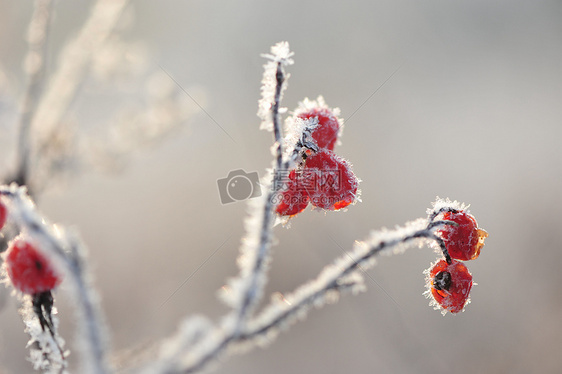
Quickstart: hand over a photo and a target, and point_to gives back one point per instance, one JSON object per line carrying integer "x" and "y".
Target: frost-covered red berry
{"x": 449, "y": 285}
{"x": 331, "y": 183}
{"x": 326, "y": 133}
{"x": 3, "y": 215}
{"x": 29, "y": 270}
{"x": 463, "y": 242}
{"x": 293, "y": 199}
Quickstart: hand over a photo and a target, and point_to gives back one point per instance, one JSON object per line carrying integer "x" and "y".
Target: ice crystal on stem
{"x": 46, "y": 350}
{"x": 273, "y": 84}
{"x": 254, "y": 255}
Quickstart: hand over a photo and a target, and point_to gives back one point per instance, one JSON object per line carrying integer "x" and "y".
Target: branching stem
{"x": 36, "y": 65}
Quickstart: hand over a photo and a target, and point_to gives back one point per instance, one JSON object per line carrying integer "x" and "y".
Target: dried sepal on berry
{"x": 463, "y": 240}
{"x": 448, "y": 285}
{"x": 329, "y": 126}
{"x": 326, "y": 132}
{"x": 331, "y": 183}
{"x": 28, "y": 269}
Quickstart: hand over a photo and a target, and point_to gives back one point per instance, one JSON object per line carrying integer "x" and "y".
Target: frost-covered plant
{"x": 49, "y": 146}
{"x": 305, "y": 145}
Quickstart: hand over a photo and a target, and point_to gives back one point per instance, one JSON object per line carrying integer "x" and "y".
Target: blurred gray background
{"x": 473, "y": 113}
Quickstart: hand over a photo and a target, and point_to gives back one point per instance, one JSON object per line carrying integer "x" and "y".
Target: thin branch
{"x": 37, "y": 37}
{"x": 252, "y": 274}
{"x": 72, "y": 69}
{"x": 344, "y": 275}
{"x": 280, "y": 81}
{"x": 69, "y": 255}
{"x": 253, "y": 290}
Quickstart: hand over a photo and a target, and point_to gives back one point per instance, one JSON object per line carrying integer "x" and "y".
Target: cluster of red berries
{"x": 31, "y": 273}
{"x": 448, "y": 280}
{"x": 322, "y": 178}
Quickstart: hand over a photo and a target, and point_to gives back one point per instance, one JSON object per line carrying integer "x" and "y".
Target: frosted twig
{"x": 72, "y": 69}
{"x": 75, "y": 59}
{"x": 68, "y": 253}
{"x": 255, "y": 250}
{"x": 273, "y": 86}
{"x": 279, "y": 80}
{"x": 37, "y": 36}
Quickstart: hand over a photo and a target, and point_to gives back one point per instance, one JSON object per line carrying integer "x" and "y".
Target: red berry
{"x": 463, "y": 242}
{"x": 28, "y": 269}
{"x": 3, "y": 215}
{"x": 294, "y": 198}
{"x": 331, "y": 183}
{"x": 326, "y": 134}
{"x": 449, "y": 285}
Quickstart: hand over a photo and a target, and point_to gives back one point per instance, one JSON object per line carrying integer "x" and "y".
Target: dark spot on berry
{"x": 38, "y": 265}
{"x": 442, "y": 280}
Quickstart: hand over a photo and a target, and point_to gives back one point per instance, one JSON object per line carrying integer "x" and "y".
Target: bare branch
{"x": 37, "y": 37}
{"x": 71, "y": 71}
{"x": 345, "y": 274}
{"x": 255, "y": 251}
